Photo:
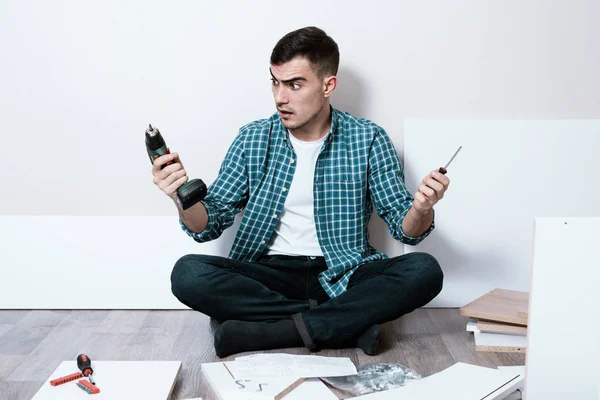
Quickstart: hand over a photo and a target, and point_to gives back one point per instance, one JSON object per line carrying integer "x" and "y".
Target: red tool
{"x": 88, "y": 387}
{"x": 85, "y": 365}
{"x": 443, "y": 170}
{"x": 65, "y": 379}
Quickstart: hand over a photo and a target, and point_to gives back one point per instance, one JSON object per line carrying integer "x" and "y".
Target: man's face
{"x": 298, "y": 92}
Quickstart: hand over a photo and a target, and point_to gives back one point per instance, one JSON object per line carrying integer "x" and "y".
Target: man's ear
{"x": 329, "y": 85}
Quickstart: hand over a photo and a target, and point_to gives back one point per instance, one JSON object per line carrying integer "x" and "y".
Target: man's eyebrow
{"x": 296, "y": 78}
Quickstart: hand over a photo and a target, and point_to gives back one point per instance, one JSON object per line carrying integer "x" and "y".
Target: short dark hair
{"x": 313, "y": 43}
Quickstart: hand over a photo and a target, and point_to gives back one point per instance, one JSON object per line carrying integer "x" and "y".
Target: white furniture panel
{"x": 563, "y": 350}
{"x": 94, "y": 262}
{"x": 507, "y": 173}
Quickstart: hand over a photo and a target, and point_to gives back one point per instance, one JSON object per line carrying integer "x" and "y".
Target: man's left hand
{"x": 430, "y": 191}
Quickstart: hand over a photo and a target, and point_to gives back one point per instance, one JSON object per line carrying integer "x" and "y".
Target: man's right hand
{"x": 171, "y": 177}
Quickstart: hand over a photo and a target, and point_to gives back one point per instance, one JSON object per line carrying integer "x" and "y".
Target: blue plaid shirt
{"x": 357, "y": 168}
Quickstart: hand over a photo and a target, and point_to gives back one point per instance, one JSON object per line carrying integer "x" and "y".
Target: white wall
{"x": 80, "y": 81}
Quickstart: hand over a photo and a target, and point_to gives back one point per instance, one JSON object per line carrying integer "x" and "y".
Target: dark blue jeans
{"x": 279, "y": 287}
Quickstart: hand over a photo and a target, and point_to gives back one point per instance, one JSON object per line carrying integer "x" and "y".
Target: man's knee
{"x": 186, "y": 276}
{"x": 428, "y": 270}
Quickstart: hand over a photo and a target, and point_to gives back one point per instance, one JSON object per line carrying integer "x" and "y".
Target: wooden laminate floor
{"x": 34, "y": 342}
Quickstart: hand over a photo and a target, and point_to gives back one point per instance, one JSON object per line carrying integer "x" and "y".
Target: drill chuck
{"x": 155, "y": 144}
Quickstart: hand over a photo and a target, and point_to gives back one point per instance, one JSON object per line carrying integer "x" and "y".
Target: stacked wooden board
{"x": 499, "y": 320}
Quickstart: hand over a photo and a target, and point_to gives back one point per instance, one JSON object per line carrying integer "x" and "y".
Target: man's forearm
{"x": 415, "y": 223}
{"x": 195, "y": 217}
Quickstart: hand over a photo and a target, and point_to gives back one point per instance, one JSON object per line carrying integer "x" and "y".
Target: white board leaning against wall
{"x": 95, "y": 262}
{"x": 507, "y": 173}
{"x": 564, "y": 291}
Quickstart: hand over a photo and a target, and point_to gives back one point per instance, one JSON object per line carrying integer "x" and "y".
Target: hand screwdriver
{"x": 85, "y": 365}
{"x": 444, "y": 170}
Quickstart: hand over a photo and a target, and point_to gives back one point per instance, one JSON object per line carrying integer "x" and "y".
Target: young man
{"x": 301, "y": 270}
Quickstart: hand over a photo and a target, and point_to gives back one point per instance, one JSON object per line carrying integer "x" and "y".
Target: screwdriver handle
{"x": 84, "y": 364}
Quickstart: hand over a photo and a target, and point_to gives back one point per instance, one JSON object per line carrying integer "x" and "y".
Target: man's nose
{"x": 280, "y": 95}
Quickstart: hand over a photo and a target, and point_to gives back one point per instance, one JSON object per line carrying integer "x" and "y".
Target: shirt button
{"x": 284, "y": 190}
{"x": 292, "y": 161}
{"x": 263, "y": 242}
{"x": 274, "y": 215}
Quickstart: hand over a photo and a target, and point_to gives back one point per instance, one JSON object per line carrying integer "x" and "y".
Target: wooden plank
{"x": 523, "y": 314}
{"x": 288, "y": 389}
{"x": 496, "y": 327}
{"x": 195, "y": 325}
{"x": 107, "y": 346}
{"x": 111, "y": 339}
{"x": 501, "y": 349}
{"x": 5, "y": 328}
{"x": 12, "y": 316}
{"x": 459, "y": 342}
{"x": 511, "y": 359}
{"x": 122, "y": 321}
{"x": 8, "y": 363}
{"x": 29, "y": 331}
{"x": 421, "y": 343}
{"x": 10, "y": 390}
{"x": 414, "y": 340}
{"x": 499, "y": 305}
{"x": 194, "y": 346}
{"x": 500, "y": 342}
{"x": 63, "y": 342}
{"x": 19, "y": 390}
{"x": 156, "y": 336}
{"x": 390, "y": 347}
{"x": 28, "y": 389}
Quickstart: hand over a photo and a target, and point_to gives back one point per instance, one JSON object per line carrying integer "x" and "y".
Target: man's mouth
{"x": 284, "y": 113}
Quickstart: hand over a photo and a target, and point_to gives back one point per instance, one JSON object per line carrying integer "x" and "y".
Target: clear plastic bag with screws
{"x": 374, "y": 377}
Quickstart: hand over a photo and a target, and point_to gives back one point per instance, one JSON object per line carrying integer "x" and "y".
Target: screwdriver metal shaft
{"x": 443, "y": 170}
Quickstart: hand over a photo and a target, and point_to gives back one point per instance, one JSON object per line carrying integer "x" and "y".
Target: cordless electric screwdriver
{"x": 190, "y": 192}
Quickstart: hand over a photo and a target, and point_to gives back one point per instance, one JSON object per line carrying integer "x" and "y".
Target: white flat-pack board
{"x": 495, "y": 327}
{"x": 117, "y": 380}
{"x": 564, "y": 288}
{"x": 102, "y": 262}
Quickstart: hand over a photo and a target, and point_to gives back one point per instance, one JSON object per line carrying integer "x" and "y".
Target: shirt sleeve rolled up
{"x": 226, "y": 196}
{"x": 389, "y": 195}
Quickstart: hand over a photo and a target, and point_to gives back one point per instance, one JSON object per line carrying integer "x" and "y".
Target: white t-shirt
{"x": 295, "y": 233}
